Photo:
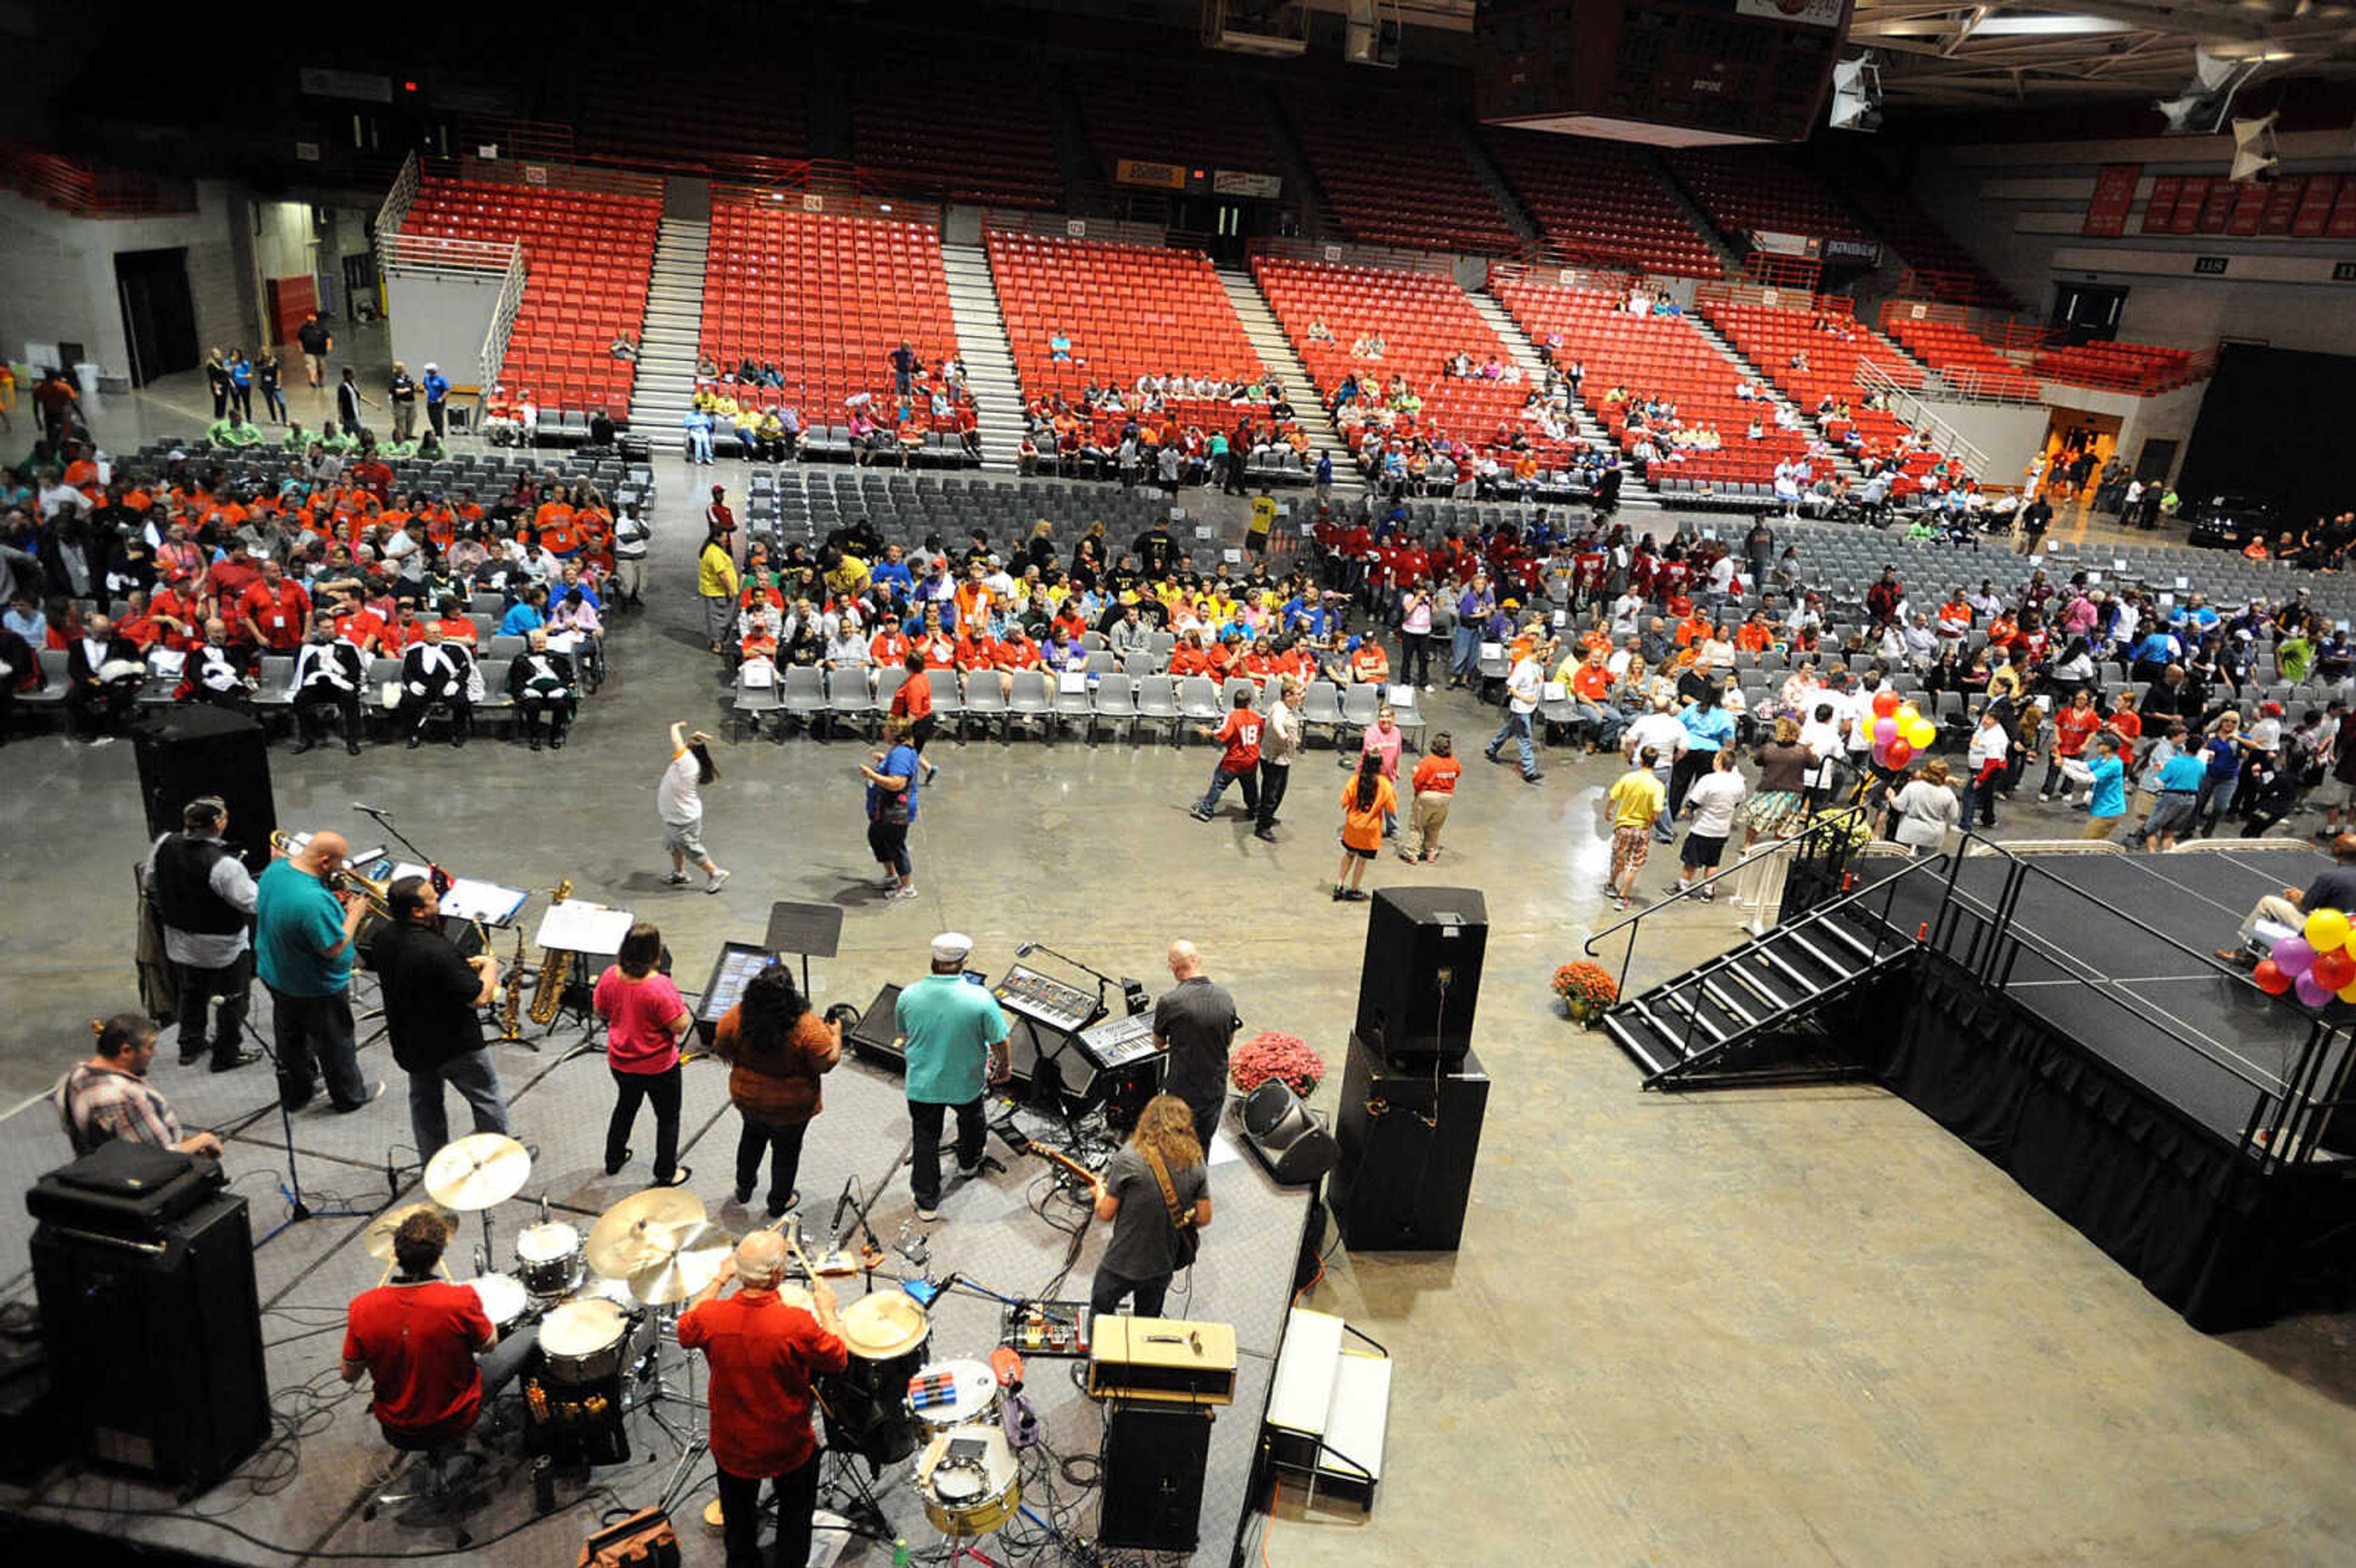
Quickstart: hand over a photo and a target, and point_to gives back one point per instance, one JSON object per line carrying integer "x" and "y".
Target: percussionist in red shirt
{"x": 417, "y": 1337}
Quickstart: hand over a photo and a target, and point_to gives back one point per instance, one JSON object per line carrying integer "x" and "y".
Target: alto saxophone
{"x": 555, "y": 967}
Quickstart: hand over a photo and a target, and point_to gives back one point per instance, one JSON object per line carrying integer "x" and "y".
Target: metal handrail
{"x": 501, "y": 327}
{"x": 395, "y": 212}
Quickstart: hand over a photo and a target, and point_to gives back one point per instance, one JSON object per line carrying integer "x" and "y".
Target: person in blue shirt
{"x": 2221, "y": 755}
{"x": 2177, "y": 788}
{"x": 1059, "y": 348}
{"x": 437, "y": 392}
{"x": 1708, "y": 728}
{"x": 2106, "y": 799}
{"x": 891, "y": 807}
{"x": 956, "y": 1048}
{"x": 527, "y": 614}
{"x": 893, "y": 572}
{"x": 698, "y": 425}
{"x": 1324, "y": 473}
{"x": 302, "y": 950}
{"x": 240, "y": 383}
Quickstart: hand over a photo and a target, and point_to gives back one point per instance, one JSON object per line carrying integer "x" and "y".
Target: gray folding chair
{"x": 1321, "y": 705}
{"x": 752, "y": 702}
{"x": 1157, "y": 702}
{"x": 1032, "y": 701}
{"x": 985, "y": 698}
{"x": 847, "y": 696}
{"x": 803, "y": 694}
{"x": 1359, "y": 703}
{"x": 1114, "y": 697}
{"x": 1198, "y": 699}
{"x": 1072, "y": 702}
{"x": 949, "y": 700}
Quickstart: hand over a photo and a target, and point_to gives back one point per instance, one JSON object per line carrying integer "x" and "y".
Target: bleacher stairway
{"x": 1268, "y": 341}
{"x": 664, "y": 386}
{"x": 1695, "y": 1029}
{"x": 1526, "y": 355}
{"x": 1842, "y": 462}
{"x": 989, "y": 360}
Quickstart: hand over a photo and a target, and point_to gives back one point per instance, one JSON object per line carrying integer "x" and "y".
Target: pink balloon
{"x": 1885, "y": 730}
{"x": 2310, "y": 992}
{"x": 2292, "y": 955}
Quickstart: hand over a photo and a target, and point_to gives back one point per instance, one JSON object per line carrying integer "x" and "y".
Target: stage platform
{"x": 300, "y": 1499}
{"x": 2188, "y": 1029}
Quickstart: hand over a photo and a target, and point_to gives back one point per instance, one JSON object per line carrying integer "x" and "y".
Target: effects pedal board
{"x": 1045, "y": 1328}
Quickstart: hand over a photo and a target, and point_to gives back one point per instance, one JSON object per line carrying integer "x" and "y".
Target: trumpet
{"x": 340, "y": 878}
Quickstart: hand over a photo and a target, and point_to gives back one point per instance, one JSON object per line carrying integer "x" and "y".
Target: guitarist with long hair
{"x": 1155, "y": 1193}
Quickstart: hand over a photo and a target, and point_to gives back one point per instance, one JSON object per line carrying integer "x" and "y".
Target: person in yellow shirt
{"x": 1637, "y": 800}
{"x": 715, "y": 580}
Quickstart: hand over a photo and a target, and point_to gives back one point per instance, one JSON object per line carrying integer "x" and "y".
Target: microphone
{"x": 1024, "y": 950}
{"x": 841, "y": 1204}
{"x": 371, "y": 810}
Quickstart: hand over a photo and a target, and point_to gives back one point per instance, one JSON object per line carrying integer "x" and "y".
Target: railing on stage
{"x": 1984, "y": 935}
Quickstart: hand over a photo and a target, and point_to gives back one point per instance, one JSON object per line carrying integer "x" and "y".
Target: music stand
{"x": 806, "y": 931}
{"x": 586, "y": 929}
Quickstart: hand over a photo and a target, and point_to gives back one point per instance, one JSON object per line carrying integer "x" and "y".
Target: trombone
{"x": 379, "y": 895}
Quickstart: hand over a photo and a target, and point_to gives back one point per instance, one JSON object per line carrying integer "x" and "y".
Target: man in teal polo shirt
{"x": 956, "y": 1047}
{"x": 302, "y": 949}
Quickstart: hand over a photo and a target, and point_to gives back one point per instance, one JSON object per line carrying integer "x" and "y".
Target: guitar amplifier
{"x": 1166, "y": 1359}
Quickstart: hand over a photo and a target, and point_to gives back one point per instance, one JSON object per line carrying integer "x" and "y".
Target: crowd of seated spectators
{"x": 750, "y": 404}
{"x": 1169, "y": 430}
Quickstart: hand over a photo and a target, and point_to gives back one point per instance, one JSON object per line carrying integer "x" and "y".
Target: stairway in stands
{"x": 1727, "y": 255}
{"x": 1701, "y": 1029}
{"x": 989, "y": 361}
{"x": 1841, "y": 461}
{"x": 1526, "y": 355}
{"x": 1275, "y": 351}
{"x": 665, "y": 384}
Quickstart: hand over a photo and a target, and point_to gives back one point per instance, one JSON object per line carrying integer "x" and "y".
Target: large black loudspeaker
{"x": 154, "y": 1342}
{"x": 199, "y": 750}
{"x": 1408, "y": 1141}
{"x": 1154, "y": 1461}
{"x": 1422, "y": 974}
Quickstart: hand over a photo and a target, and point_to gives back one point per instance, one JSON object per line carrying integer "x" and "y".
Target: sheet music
{"x": 576, "y": 925}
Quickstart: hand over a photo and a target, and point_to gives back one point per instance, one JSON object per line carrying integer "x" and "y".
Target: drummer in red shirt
{"x": 764, "y": 1351}
{"x": 417, "y": 1337}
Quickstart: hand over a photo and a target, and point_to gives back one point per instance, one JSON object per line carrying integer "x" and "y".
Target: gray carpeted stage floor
{"x": 300, "y": 1499}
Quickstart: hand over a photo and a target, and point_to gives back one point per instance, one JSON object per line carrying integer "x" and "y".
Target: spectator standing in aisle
{"x": 1280, "y": 743}
{"x": 316, "y": 343}
{"x": 437, "y": 399}
{"x": 350, "y": 401}
{"x": 266, "y": 372}
{"x": 403, "y": 390}
{"x": 1636, "y": 801}
{"x": 1524, "y": 685}
{"x": 1434, "y": 785}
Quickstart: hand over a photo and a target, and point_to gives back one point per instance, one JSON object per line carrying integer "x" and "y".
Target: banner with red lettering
{"x": 2342, "y": 224}
{"x": 2189, "y": 198}
{"x": 2249, "y": 206}
{"x": 2218, "y": 206}
{"x": 2115, "y": 188}
{"x": 2282, "y": 203}
{"x": 2161, "y": 209}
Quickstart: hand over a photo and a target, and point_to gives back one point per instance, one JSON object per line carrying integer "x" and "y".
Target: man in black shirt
{"x": 1157, "y": 552}
{"x": 432, "y": 998}
{"x": 1194, "y": 1023}
{"x": 316, "y": 342}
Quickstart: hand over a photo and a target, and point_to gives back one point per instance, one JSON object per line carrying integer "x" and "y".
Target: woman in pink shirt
{"x": 646, "y": 1020}
{"x": 1384, "y": 739}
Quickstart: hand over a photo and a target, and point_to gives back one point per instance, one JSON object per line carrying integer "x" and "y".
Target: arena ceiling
{"x": 1946, "y": 55}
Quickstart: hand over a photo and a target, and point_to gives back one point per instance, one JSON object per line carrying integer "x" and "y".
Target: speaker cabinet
{"x": 1286, "y": 1134}
{"x": 198, "y": 750}
{"x": 1153, "y": 1460}
{"x": 155, "y": 1343}
{"x": 1408, "y": 1141}
{"x": 1422, "y": 974}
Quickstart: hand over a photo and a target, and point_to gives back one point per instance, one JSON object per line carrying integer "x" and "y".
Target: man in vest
{"x": 433, "y": 671}
{"x": 204, "y": 899}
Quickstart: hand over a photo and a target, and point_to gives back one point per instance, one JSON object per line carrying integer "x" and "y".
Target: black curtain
{"x": 2274, "y": 425}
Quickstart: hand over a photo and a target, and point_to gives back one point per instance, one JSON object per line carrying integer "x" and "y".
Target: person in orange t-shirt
{"x": 1434, "y": 789}
{"x": 913, "y": 702}
{"x": 1366, "y": 800}
{"x": 1239, "y": 760}
{"x": 1187, "y": 658}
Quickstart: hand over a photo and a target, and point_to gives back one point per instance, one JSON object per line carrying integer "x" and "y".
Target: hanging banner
{"x": 2217, "y": 207}
{"x": 2282, "y": 203}
{"x": 2161, "y": 209}
{"x": 2249, "y": 201}
{"x": 2106, "y": 211}
{"x": 2315, "y": 207}
{"x": 2189, "y": 198}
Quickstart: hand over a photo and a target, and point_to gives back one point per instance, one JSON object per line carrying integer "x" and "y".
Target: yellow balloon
{"x": 2327, "y": 931}
{"x": 1922, "y": 733}
{"x": 2348, "y": 992}
{"x": 1907, "y": 714}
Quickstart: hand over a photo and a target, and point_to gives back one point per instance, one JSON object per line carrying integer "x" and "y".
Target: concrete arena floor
{"x": 1782, "y": 1328}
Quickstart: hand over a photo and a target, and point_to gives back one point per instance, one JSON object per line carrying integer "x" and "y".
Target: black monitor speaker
{"x": 1289, "y": 1138}
{"x": 1422, "y": 973}
{"x": 197, "y": 751}
{"x": 1152, "y": 1464}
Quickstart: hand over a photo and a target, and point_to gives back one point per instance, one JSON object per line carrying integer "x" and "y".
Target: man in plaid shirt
{"x": 108, "y": 1097}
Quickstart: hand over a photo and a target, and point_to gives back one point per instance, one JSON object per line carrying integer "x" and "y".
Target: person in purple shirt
{"x": 1475, "y": 605}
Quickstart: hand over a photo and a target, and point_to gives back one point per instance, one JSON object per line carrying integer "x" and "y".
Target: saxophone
{"x": 555, "y": 966}
{"x": 511, "y": 996}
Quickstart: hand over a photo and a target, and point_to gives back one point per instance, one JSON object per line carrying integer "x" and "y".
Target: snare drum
{"x": 584, "y": 1341}
{"x": 548, "y": 1260}
{"x": 970, "y": 1482}
{"x": 949, "y": 1394}
{"x": 504, "y": 1300}
{"x": 866, "y": 1404}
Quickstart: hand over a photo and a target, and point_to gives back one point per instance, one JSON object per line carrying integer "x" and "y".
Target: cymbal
{"x": 477, "y": 1171}
{"x": 618, "y": 1241}
{"x": 679, "y": 1261}
{"x": 378, "y": 1238}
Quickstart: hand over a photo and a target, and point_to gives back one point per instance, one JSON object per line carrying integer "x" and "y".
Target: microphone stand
{"x": 297, "y": 1210}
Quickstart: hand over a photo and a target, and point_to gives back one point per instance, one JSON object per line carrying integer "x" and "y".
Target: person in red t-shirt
{"x": 1369, "y": 664}
{"x": 763, "y": 1350}
{"x": 273, "y": 613}
{"x": 913, "y": 702}
{"x": 887, "y": 646}
{"x": 1435, "y": 790}
{"x": 416, "y": 1339}
{"x": 1238, "y": 762}
{"x": 2073, "y": 728}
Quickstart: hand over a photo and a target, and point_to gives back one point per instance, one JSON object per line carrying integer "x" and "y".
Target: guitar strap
{"x": 1179, "y": 1219}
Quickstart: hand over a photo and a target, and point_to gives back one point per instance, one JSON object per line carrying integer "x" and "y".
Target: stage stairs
{"x": 1329, "y": 1406}
{"x": 1714, "y": 1025}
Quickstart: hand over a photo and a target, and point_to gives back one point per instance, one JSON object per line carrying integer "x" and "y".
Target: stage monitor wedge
{"x": 1669, "y": 73}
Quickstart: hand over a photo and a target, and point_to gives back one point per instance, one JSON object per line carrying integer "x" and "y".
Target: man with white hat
{"x": 956, "y": 1047}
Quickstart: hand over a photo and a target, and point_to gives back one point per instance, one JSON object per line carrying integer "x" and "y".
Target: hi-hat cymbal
{"x": 620, "y": 1241}
{"x": 477, "y": 1171}
{"x": 378, "y": 1238}
{"x": 681, "y": 1261}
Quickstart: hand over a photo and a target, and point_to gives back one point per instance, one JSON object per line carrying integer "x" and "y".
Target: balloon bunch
{"x": 2317, "y": 964}
{"x": 1898, "y": 730}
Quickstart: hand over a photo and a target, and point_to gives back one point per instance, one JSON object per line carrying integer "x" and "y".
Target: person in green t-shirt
{"x": 956, "y": 1047}
{"x": 233, "y": 429}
